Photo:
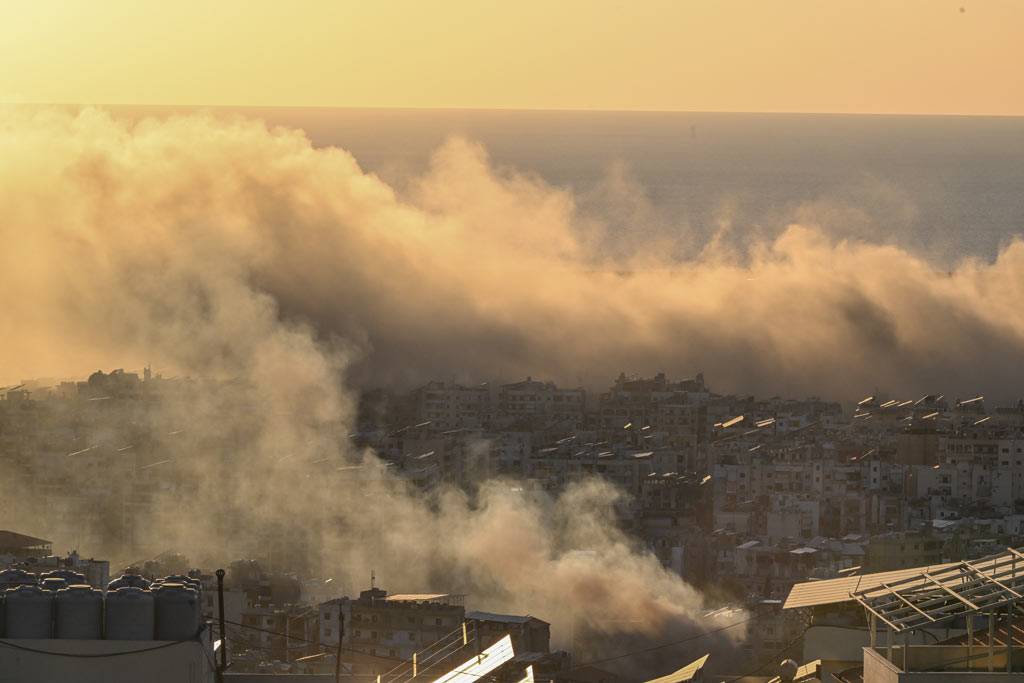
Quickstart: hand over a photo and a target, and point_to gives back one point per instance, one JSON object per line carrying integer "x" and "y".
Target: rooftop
{"x": 687, "y": 673}
{"x": 12, "y": 540}
{"x": 419, "y": 597}
{"x": 504, "y": 618}
{"x": 839, "y": 590}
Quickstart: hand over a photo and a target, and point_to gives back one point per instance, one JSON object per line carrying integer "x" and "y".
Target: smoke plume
{"x": 276, "y": 271}
{"x": 264, "y": 268}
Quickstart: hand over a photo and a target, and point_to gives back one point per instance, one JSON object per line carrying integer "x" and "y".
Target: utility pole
{"x": 341, "y": 636}
{"x": 223, "y": 630}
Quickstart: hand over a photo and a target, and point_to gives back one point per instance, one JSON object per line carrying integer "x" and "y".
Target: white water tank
{"x": 78, "y": 613}
{"x": 177, "y": 612}
{"x": 130, "y": 614}
{"x": 28, "y": 612}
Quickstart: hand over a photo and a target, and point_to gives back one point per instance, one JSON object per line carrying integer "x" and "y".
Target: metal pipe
{"x": 1009, "y": 637}
{"x": 970, "y": 640}
{"x": 341, "y": 636}
{"x": 991, "y": 639}
{"x": 223, "y": 627}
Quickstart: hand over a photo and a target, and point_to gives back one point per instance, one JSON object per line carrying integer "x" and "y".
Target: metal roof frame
{"x": 960, "y": 589}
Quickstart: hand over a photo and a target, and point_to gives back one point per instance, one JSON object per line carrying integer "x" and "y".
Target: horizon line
{"x": 513, "y": 110}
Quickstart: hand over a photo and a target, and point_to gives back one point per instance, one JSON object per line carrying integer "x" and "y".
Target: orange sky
{"x": 902, "y": 56}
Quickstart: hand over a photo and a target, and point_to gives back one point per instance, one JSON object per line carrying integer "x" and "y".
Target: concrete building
{"x": 529, "y": 634}
{"x": 388, "y": 628}
{"x": 19, "y": 546}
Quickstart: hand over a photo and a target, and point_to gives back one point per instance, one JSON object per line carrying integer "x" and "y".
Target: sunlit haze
{"x": 912, "y": 56}
{"x": 465, "y": 341}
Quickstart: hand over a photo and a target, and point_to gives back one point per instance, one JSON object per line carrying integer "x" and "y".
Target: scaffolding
{"x": 966, "y": 589}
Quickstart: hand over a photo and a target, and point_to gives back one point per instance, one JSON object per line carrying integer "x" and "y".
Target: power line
{"x": 306, "y": 640}
{"x": 78, "y": 655}
{"x": 772, "y": 658}
{"x": 624, "y": 655}
{"x": 346, "y": 649}
{"x": 663, "y": 645}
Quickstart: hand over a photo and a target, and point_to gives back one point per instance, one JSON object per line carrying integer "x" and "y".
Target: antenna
{"x": 373, "y": 579}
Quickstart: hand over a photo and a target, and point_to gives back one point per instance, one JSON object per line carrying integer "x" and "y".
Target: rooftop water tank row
{"x": 171, "y": 612}
{"x": 11, "y": 578}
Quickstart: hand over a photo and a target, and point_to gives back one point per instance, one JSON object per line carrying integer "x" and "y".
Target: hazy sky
{"x": 902, "y": 56}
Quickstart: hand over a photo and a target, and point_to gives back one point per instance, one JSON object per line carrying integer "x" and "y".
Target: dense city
{"x": 742, "y": 497}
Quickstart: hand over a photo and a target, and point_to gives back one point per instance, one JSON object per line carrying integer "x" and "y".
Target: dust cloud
{"x": 277, "y": 273}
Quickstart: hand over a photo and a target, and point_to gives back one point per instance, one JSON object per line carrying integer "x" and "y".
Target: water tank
{"x": 189, "y": 581}
{"x": 130, "y": 614}
{"x": 72, "y": 577}
{"x": 134, "y": 580}
{"x": 177, "y": 612}
{"x": 10, "y": 578}
{"x": 78, "y": 613}
{"x": 53, "y": 583}
{"x": 182, "y": 579}
{"x": 28, "y": 612}
{"x": 175, "y": 578}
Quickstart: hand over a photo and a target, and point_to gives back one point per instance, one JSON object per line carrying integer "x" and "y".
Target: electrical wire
{"x": 624, "y": 655}
{"x": 314, "y": 642}
{"x": 772, "y": 658}
{"x": 663, "y": 645}
{"x": 78, "y": 655}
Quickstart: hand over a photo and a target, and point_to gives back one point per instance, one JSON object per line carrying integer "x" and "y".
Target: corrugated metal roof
{"x": 834, "y": 591}
{"x": 685, "y": 674}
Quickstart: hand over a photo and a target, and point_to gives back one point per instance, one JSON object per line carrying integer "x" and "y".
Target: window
{"x": 412, "y": 635}
{"x": 327, "y": 632}
{"x": 437, "y": 621}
